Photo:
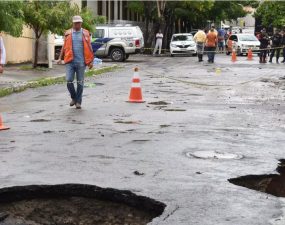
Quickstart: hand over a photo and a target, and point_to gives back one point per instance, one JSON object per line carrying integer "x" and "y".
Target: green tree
{"x": 11, "y": 17}
{"x": 45, "y": 16}
{"x": 55, "y": 17}
{"x": 272, "y": 13}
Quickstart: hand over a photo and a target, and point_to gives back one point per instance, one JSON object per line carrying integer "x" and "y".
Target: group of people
{"x": 209, "y": 40}
{"x": 271, "y": 46}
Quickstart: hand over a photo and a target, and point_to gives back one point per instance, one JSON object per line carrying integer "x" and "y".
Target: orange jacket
{"x": 68, "y": 51}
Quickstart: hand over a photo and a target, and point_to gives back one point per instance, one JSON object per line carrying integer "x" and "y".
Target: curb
{"x": 52, "y": 81}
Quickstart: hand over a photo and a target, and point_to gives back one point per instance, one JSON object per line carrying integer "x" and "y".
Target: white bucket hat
{"x": 77, "y": 19}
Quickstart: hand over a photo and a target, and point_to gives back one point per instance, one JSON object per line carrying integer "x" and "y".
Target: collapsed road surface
{"x": 201, "y": 125}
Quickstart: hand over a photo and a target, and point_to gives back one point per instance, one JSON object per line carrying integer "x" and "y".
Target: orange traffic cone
{"x": 249, "y": 54}
{"x": 136, "y": 91}
{"x": 234, "y": 56}
{"x": 2, "y": 127}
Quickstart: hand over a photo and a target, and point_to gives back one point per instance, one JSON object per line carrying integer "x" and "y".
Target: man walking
{"x": 276, "y": 46}
{"x": 158, "y": 44}
{"x": 221, "y": 39}
{"x": 2, "y": 55}
{"x": 283, "y": 44}
{"x": 264, "y": 42}
{"x": 77, "y": 54}
{"x": 200, "y": 38}
{"x": 211, "y": 44}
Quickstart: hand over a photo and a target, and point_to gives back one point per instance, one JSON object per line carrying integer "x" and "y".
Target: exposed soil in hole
{"x": 273, "y": 184}
{"x": 75, "y": 204}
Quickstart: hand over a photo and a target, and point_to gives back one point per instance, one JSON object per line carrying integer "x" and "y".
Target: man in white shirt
{"x": 158, "y": 44}
{"x": 2, "y": 55}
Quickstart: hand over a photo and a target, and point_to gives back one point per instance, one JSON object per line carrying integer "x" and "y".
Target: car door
{"x": 98, "y": 42}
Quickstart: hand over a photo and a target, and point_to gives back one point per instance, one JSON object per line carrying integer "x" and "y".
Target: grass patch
{"x": 52, "y": 81}
{"x": 30, "y": 67}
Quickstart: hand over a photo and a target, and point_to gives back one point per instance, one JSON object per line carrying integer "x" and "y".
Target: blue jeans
{"x": 77, "y": 68}
{"x": 211, "y": 53}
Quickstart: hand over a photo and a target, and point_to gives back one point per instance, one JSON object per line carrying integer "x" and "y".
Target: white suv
{"x": 117, "y": 42}
{"x": 182, "y": 44}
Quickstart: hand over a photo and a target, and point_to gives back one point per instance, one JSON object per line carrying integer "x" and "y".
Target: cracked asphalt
{"x": 227, "y": 107}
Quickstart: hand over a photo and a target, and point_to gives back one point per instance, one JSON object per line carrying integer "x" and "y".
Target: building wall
{"x": 19, "y": 50}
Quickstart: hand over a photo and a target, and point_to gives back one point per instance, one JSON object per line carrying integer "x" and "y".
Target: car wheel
{"x": 195, "y": 54}
{"x": 117, "y": 55}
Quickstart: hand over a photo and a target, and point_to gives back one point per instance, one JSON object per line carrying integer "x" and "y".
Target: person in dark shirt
{"x": 276, "y": 46}
{"x": 264, "y": 42}
{"x": 283, "y": 44}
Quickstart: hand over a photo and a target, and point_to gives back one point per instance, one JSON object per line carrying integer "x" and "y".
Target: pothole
{"x": 40, "y": 120}
{"x": 127, "y": 122}
{"x": 175, "y": 110}
{"x": 74, "y": 204}
{"x": 213, "y": 155}
{"x": 159, "y": 103}
{"x": 273, "y": 184}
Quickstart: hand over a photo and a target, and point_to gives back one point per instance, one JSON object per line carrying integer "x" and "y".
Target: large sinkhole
{"x": 75, "y": 204}
{"x": 273, "y": 184}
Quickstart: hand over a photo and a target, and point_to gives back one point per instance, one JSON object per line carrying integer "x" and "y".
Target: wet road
{"x": 235, "y": 108}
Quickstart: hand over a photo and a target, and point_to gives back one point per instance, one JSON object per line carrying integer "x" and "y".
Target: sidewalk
{"x": 17, "y": 78}
{"x": 15, "y": 74}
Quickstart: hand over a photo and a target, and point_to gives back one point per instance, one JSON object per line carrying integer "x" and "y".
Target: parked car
{"x": 117, "y": 42}
{"x": 182, "y": 44}
{"x": 241, "y": 43}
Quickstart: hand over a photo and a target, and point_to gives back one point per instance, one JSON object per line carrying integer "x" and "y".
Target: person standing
{"x": 211, "y": 44}
{"x": 158, "y": 44}
{"x": 2, "y": 55}
{"x": 283, "y": 44}
{"x": 200, "y": 38}
{"x": 264, "y": 43}
{"x": 276, "y": 46}
{"x": 77, "y": 53}
{"x": 221, "y": 39}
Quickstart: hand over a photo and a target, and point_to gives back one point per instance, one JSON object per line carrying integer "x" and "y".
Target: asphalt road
{"x": 226, "y": 107}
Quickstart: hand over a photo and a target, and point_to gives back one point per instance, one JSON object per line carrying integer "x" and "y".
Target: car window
{"x": 182, "y": 38}
{"x": 99, "y": 33}
{"x": 248, "y": 38}
{"x": 233, "y": 38}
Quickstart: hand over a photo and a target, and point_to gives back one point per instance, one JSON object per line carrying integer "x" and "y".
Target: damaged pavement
{"x": 201, "y": 125}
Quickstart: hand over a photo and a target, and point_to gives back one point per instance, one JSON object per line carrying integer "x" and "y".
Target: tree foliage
{"x": 11, "y": 17}
{"x": 55, "y": 17}
{"x": 272, "y": 13}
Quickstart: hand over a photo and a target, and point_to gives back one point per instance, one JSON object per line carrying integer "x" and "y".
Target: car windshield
{"x": 182, "y": 38}
{"x": 248, "y": 38}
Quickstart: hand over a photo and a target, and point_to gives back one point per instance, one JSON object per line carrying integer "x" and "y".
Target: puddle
{"x": 159, "y": 103}
{"x": 273, "y": 184}
{"x": 75, "y": 204}
{"x": 93, "y": 84}
{"x": 213, "y": 155}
